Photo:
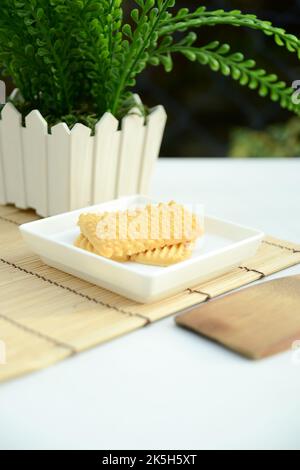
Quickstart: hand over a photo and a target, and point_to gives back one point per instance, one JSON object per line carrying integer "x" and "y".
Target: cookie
{"x": 165, "y": 256}
{"x": 121, "y": 234}
{"x": 83, "y": 243}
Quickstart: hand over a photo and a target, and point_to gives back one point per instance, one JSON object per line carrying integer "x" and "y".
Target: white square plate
{"x": 223, "y": 246}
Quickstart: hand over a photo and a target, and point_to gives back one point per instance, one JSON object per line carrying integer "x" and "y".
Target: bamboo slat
{"x": 47, "y": 315}
{"x": 26, "y": 352}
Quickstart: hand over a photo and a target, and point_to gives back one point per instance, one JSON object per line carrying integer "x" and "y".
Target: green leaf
{"x": 225, "y": 69}
{"x": 182, "y": 12}
{"x": 235, "y": 72}
{"x": 224, "y": 49}
{"x": 135, "y": 14}
{"x": 263, "y": 90}
{"x": 214, "y": 64}
{"x": 167, "y": 62}
{"x": 244, "y": 79}
{"x": 40, "y": 14}
{"x": 154, "y": 61}
{"x": 278, "y": 40}
{"x": 190, "y": 55}
{"x": 127, "y": 30}
{"x": 29, "y": 50}
{"x": 42, "y": 52}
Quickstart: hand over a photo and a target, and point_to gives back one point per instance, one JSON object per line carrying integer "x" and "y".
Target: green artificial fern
{"x": 76, "y": 59}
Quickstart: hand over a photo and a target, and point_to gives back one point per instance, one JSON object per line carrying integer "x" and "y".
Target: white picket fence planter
{"x": 68, "y": 169}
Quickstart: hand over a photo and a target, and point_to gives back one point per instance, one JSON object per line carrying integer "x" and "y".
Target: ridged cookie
{"x": 117, "y": 235}
{"x": 165, "y": 256}
{"x": 83, "y": 243}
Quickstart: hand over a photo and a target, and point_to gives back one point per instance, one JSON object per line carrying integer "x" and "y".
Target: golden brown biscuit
{"x": 122, "y": 234}
{"x": 159, "y": 257}
{"x": 165, "y": 256}
{"x": 83, "y": 243}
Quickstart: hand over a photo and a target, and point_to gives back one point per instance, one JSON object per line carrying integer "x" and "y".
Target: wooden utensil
{"x": 256, "y": 322}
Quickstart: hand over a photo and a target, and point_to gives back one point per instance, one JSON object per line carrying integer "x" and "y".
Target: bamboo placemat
{"x": 47, "y": 315}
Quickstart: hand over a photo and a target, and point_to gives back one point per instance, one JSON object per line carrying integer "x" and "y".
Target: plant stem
{"x": 216, "y": 18}
{"x": 128, "y": 70}
{"x": 284, "y": 92}
{"x": 57, "y": 63}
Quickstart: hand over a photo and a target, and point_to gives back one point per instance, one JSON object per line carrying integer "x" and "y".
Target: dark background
{"x": 203, "y": 106}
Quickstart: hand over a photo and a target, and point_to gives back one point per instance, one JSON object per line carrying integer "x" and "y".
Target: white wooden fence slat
{"x": 81, "y": 167}
{"x": 114, "y": 165}
{"x": 59, "y": 166}
{"x": 132, "y": 141}
{"x": 12, "y": 148}
{"x": 104, "y": 158}
{"x": 155, "y": 126}
{"x": 35, "y": 162}
{"x": 3, "y": 199}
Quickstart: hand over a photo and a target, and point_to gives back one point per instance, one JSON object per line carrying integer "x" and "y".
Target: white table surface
{"x": 162, "y": 386}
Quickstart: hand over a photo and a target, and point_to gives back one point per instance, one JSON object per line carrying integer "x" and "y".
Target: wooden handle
{"x": 257, "y": 321}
